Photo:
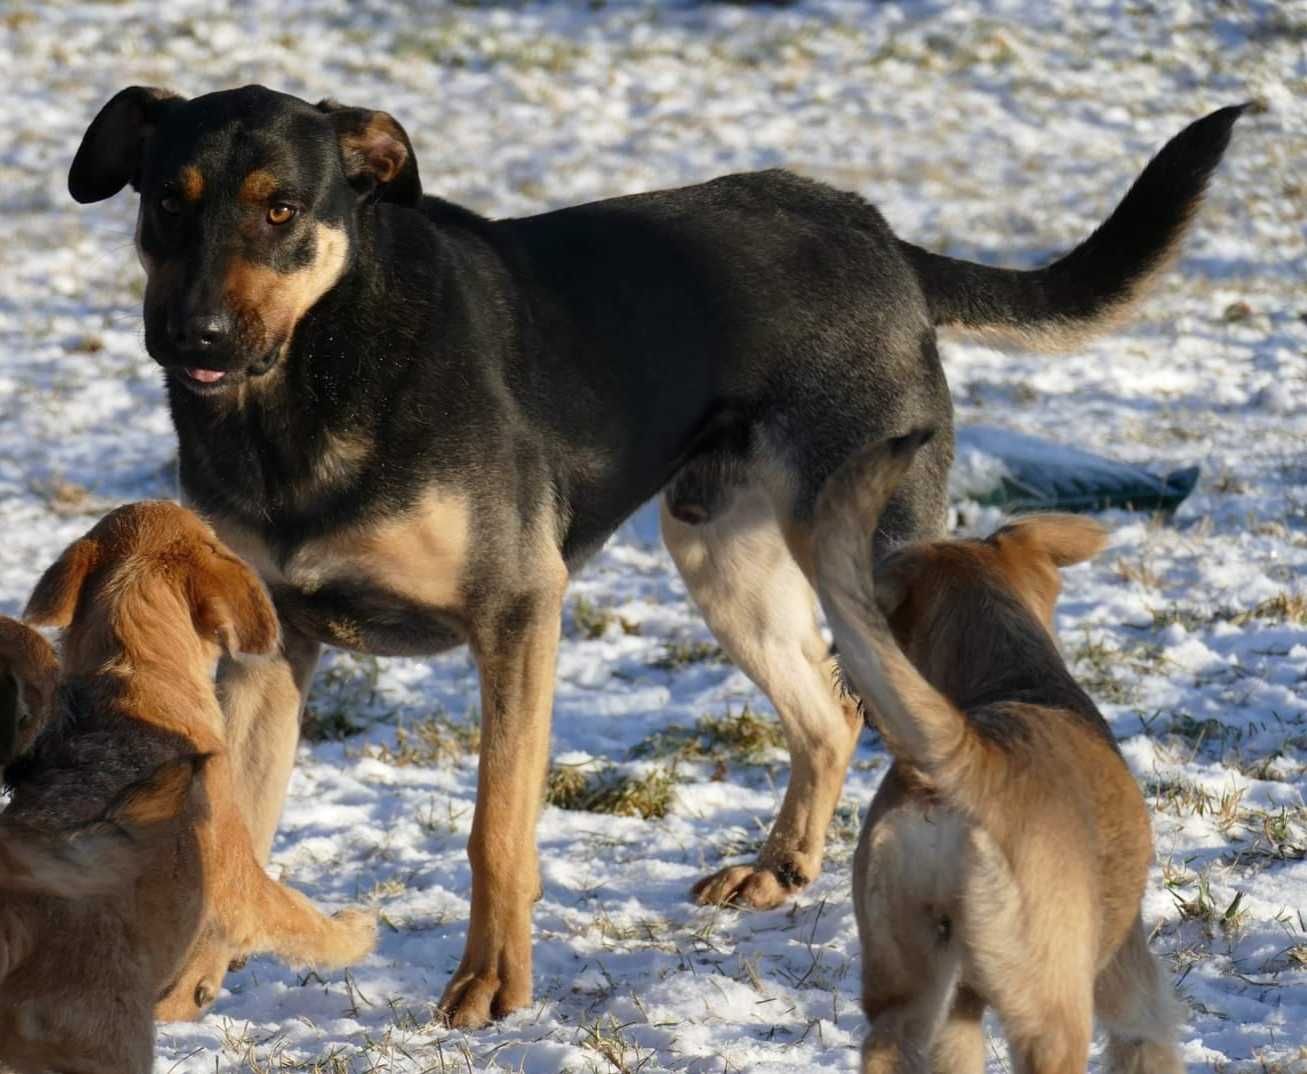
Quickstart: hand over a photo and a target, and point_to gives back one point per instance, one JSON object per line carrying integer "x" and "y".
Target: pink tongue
{"x": 206, "y": 376}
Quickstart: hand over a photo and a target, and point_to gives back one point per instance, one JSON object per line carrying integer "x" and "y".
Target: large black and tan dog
{"x": 417, "y": 422}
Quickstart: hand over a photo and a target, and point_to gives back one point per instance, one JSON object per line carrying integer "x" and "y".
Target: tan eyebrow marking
{"x": 190, "y": 183}
{"x": 258, "y": 186}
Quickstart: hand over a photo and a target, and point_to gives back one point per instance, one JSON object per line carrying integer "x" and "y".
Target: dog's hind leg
{"x": 757, "y": 601}
{"x": 1135, "y": 1004}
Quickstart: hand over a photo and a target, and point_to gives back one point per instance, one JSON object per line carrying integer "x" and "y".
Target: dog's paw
{"x": 474, "y": 1000}
{"x": 755, "y": 887}
{"x": 354, "y": 935}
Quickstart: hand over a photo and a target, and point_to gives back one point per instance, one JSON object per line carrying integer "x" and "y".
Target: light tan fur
{"x": 515, "y": 644}
{"x": 150, "y": 602}
{"x": 256, "y": 697}
{"x": 962, "y": 901}
{"x": 269, "y": 304}
{"x": 742, "y": 572}
{"x": 421, "y": 553}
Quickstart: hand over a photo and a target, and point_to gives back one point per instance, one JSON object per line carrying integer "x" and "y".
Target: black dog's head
{"x": 250, "y": 201}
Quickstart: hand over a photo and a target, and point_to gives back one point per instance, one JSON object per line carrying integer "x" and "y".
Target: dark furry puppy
{"x": 417, "y": 422}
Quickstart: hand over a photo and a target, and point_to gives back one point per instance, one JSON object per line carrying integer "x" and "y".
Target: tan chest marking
{"x": 421, "y": 554}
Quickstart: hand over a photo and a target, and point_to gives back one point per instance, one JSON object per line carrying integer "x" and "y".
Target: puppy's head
{"x": 921, "y": 587}
{"x": 29, "y": 672}
{"x": 152, "y": 578}
{"x": 250, "y": 202}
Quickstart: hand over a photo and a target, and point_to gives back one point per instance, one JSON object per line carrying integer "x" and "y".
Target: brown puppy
{"x": 74, "y": 970}
{"x": 149, "y": 600}
{"x": 1004, "y": 857}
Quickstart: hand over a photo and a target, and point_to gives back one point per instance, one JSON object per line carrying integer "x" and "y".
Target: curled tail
{"x": 1095, "y": 286}
{"x": 920, "y": 725}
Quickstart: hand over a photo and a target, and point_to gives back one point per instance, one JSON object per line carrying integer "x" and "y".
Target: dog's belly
{"x": 366, "y": 618}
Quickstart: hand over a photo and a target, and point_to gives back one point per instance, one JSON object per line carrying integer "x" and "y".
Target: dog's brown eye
{"x": 280, "y": 214}
{"x": 170, "y": 204}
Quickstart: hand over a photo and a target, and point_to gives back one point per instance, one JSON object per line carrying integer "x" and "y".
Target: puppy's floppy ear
{"x": 113, "y": 146}
{"x": 230, "y": 606}
{"x": 1064, "y": 540}
{"x": 54, "y": 600}
{"x": 376, "y": 152}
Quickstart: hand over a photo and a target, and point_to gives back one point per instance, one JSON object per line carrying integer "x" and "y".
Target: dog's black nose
{"x": 201, "y": 332}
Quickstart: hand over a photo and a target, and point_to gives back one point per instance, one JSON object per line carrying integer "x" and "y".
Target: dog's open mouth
{"x": 204, "y": 381}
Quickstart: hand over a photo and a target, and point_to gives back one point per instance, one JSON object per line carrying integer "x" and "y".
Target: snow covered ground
{"x": 999, "y": 131}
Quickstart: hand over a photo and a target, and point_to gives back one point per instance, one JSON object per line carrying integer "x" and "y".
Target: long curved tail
{"x": 920, "y": 725}
{"x": 1094, "y": 287}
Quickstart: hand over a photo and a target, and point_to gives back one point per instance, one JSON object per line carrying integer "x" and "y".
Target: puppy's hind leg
{"x": 905, "y": 1035}
{"x": 271, "y": 918}
{"x": 960, "y": 1044}
{"x": 1135, "y": 1004}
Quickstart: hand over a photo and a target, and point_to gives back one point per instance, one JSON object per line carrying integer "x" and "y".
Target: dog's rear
{"x": 963, "y": 900}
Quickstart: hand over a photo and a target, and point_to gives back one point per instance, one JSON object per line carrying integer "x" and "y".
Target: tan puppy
{"x": 149, "y": 600}
{"x": 1004, "y": 857}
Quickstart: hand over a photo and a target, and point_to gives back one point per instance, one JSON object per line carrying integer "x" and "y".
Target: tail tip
{"x": 1219, "y": 124}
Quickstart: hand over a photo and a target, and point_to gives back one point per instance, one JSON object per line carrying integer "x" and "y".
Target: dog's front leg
{"x": 516, "y": 649}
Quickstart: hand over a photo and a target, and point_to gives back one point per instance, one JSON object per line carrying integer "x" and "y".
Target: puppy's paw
{"x": 354, "y": 935}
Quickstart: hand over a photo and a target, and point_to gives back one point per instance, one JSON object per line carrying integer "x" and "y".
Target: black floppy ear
{"x": 376, "y": 152}
{"x": 114, "y": 144}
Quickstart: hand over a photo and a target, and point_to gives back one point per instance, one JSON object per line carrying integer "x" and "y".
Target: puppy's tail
{"x": 921, "y": 727}
{"x": 1094, "y": 287}
{"x": 107, "y": 854}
